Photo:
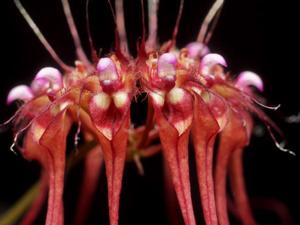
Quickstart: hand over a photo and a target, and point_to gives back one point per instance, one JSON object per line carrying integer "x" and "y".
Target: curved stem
{"x": 121, "y": 26}
{"x": 79, "y": 50}
{"x": 207, "y": 20}
{"x": 40, "y": 36}
{"x": 14, "y": 213}
{"x": 152, "y": 15}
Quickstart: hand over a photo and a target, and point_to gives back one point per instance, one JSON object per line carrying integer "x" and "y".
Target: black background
{"x": 251, "y": 34}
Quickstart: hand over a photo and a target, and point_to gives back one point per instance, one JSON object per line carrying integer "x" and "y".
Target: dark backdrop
{"x": 252, "y": 34}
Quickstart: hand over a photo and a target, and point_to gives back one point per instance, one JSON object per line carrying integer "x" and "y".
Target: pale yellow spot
{"x": 102, "y": 100}
{"x": 64, "y": 105}
{"x": 108, "y": 75}
{"x": 55, "y": 110}
{"x": 158, "y": 98}
{"x": 107, "y": 132}
{"x": 176, "y": 95}
{"x": 120, "y": 99}
{"x": 38, "y": 132}
{"x": 182, "y": 125}
{"x": 197, "y": 90}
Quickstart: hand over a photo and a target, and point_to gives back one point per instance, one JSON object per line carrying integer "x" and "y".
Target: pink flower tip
{"x": 247, "y": 78}
{"x": 167, "y": 58}
{"x": 46, "y": 80}
{"x": 40, "y": 86}
{"x": 107, "y": 69}
{"x": 212, "y": 59}
{"x": 166, "y": 65}
{"x": 20, "y": 92}
{"x": 197, "y": 50}
{"x": 53, "y": 75}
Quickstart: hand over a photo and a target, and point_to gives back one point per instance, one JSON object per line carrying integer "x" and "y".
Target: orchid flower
{"x": 190, "y": 97}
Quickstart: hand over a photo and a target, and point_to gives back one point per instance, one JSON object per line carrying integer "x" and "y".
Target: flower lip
{"x": 51, "y": 74}
{"x": 107, "y": 70}
{"x": 167, "y": 65}
{"x": 212, "y": 64}
{"x": 47, "y": 80}
{"x": 40, "y": 86}
{"x": 20, "y": 92}
{"x": 247, "y": 78}
{"x": 212, "y": 59}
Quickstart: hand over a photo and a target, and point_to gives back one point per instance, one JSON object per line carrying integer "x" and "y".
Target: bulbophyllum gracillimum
{"x": 192, "y": 99}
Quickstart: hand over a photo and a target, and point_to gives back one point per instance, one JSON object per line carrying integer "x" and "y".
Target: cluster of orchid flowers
{"x": 189, "y": 94}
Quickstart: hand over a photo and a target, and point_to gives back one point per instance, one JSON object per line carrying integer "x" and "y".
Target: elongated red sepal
{"x": 236, "y": 175}
{"x": 114, "y": 153}
{"x": 92, "y": 168}
{"x": 233, "y": 138}
{"x": 238, "y": 188}
{"x": 174, "y": 120}
{"x": 111, "y": 116}
{"x": 54, "y": 140}
{"x": 204, "y": 131}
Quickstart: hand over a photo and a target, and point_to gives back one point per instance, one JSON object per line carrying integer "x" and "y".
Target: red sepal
{"x": 54, "y": 140}
{"x": 234, "y": 137}
{"x": 175, "y": 150}
{"x": 204, "y": 131}
{"x": 92, "y": 168}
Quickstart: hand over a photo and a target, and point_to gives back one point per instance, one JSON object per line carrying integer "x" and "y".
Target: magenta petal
{"x": 166, "y": 65}
{"x": 212, "y": 59}
{"x": 40, "y": 86}
{"x": 20, "y": 92}
{"x": 51, "y": 74}
{"x": 197, "y": 50}
{"x": 248, "y": 78}
{"x": 107, "y": 69}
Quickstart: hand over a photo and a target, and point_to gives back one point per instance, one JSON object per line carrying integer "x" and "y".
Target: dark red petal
{"x": 204, "y": 131}
{"x": 92, "y": 169}
{"x": 54, "y": 140}
{"x": 233, "y": 137}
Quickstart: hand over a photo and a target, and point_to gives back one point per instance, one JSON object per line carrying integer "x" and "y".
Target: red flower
{"x": 189, "y": 95}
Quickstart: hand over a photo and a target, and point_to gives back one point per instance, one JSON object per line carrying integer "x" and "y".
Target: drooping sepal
{"x": 229, "y": 143}
{"x": 173, "y": 113}
{"x": 204, "y": 130}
